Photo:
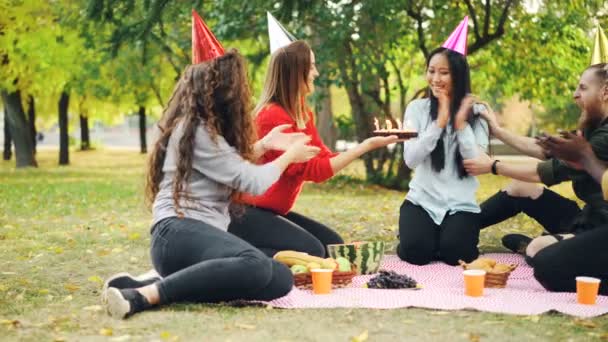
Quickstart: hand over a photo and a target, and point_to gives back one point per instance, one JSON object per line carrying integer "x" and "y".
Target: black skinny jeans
{"x": 422, "y": 241}
{"x": 557, "y": 265}
{"x": 201, "y": 263}
{"x": 586, "y": 254}
{"x": 270, "y": 232}
{"x": 554, "y": 212}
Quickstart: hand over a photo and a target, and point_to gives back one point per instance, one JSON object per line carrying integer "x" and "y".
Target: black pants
{"x": 201, "y": 263}
{"x": 422, "y": 241}
{"x": 551, "y": 210}
{"x": 586, "y": 254}
{"x": 271, "y": 233}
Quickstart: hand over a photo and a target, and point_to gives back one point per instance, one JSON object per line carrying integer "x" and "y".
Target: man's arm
{"x": 526, "y": 172}
{"x": 525, "y": 145}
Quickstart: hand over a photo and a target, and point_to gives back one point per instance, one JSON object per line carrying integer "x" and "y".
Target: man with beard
{"x": 560, "y": 217}
{"x": 557, "y": 266}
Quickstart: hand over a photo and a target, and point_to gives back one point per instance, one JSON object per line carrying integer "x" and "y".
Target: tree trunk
{"x": 64, "y": 152}
{"x": 142, "y": 129}
{"x": 85, "y": 141}
{"x": 19, "y": 130}
{"x": 31, "y": 116}
{"x": 7, "y": 139}
{"x": 325, "y": 117}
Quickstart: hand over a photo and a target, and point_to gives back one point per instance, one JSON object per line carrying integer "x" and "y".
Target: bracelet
{"x": 494, "y": 172}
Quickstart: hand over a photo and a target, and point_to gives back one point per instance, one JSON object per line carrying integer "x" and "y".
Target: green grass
{"x": 63, "y": 229}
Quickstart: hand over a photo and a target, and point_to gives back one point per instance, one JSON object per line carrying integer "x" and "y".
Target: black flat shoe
{"x": 516, "y": 242}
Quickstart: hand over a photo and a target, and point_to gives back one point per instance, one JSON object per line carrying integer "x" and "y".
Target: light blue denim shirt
{"x": 441, "y": 193}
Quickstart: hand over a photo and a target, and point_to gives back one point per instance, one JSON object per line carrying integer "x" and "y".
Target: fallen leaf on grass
{"x": 95, "y": 279}
{"x": 439, "y": 313}
{"x": 534, "y": 318}
{"x": 106, "y": 332}
{"x": 71, "y": 287}
{"x": 93, "y": 308}
{"x": 13, "y": 323}
{"x": 474, "y": 337}
{"x": 245, "y": 326}
{"x": 134, "y": 236}
{"x": 166, "y": 336}
{"x": 103, "y": 252}
{"x": 361, "y": 338}
{"x": 585, "y": 323}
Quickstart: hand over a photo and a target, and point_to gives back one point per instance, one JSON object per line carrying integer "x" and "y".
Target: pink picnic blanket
{"x": 443, "y": 290}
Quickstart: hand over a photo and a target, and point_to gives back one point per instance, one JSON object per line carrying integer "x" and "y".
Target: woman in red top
{"x": 267, "y": 221}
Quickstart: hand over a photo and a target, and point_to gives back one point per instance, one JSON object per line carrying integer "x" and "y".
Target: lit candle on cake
{"x": 400, "y": 131}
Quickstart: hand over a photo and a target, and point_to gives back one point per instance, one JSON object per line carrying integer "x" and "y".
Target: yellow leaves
{"x": 71, "y": 287}
{"x": 585, "y": 323}
{"x": 11, "y": 323}
{"x": 93, "y": 308}
{"x": 103, "y": 252}
{"x": 439, "y": 313}
{"x": 361, "y": 337}
{"x": 534, "y": 319}
{"x": 245, "y": 326}
{"x": 106, "y": 332}
{"x": 473, "y": 337}
{"x": 134, "y": 236}
{"x": 166, "y": 336}
{"x": 95, "y": 279}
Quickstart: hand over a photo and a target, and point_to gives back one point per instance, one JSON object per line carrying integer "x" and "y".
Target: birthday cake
{"x": 401, "y": 132}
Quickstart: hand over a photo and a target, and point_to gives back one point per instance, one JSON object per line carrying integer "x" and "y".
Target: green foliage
{"x": 116, "y": 55}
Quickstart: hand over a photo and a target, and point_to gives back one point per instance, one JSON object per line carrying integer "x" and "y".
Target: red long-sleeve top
{"x": 281, "y": 196}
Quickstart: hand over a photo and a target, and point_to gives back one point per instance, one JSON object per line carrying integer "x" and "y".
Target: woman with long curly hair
{"x": 204, "y": 158}
{"x": 268, "y": 221}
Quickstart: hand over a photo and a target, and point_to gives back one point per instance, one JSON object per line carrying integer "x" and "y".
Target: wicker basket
{"x": 339, "y": 279}
{"x": 494, "y": 279}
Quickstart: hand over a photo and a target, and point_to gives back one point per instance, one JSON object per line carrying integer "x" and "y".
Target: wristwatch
{"x": 494, "y": 166}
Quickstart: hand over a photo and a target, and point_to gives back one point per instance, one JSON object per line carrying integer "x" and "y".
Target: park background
{"x": 83, "y": 83}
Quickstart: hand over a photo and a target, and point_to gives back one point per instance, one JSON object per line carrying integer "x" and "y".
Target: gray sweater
{"x": 217, "y": 170}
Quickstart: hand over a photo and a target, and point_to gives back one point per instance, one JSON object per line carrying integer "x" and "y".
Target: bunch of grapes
{"x": 391, "y": 280}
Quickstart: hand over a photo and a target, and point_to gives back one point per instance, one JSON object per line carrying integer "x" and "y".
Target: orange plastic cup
{"x": 474, "y": 282}
{"x": 587, "y": 289}
{"x": 321, "y": 280}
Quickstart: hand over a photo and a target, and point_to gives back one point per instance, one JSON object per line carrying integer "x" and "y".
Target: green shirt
{"x": 554, "y": 171}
